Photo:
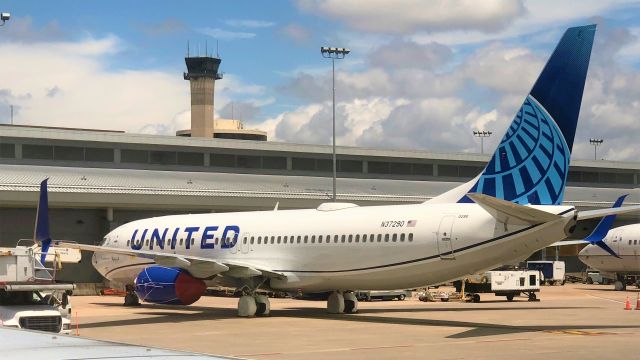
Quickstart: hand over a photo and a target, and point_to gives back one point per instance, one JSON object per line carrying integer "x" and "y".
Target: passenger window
{"x": 394, "y": 238}
{"x": 402, "y": 237}
{"x": 319, "y": 239}
{"x": 299, "y": 238}
{"x": 379, "y": 237}
{"x": 217, "y": 241}
{"x": 357, "y": 237}
{"x": 279, "y": 238}
{"x": 635, "y": 242}
{"x": 372, "y": 238}
{"x": 335, "y": 238}
{"x": 146, "y": 242}
{"x": 350, "y": 238}
{"x": 629, "y": 242}
{"x": 284, "y": 240}
{"x": 244, "y": 240}
{"x": 343, "y": 238}
{"x": 410, "y": 236}
{"x": 251, "y": 241}
{"x": 193, "y": 241}
{"x": 128, "y": 242}
{"x": 364, "y": 238}
{"x": 306, "y": 239}
{"x": 181, "y": 240}
{"x": 259, "y": 240}
{"x": 386, "y": 237}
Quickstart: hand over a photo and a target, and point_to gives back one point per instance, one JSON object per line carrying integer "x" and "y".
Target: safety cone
{"x": 627, "y": 304}
{"x": 638, "y": 302}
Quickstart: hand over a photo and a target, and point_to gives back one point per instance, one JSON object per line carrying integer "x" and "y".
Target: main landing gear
{"x": 131, "y": 298}
{"x": 339, "y": 302}
{"x": 620, "y": 284}
{"x": 253, "y": 305}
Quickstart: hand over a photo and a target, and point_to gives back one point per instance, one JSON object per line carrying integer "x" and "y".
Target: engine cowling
{"x": 164, "y": 285}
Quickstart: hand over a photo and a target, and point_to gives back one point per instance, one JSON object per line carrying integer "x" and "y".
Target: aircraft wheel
{"x": 335, "y": 303}
{"x": 510, "y": 297}
{"x": 247, "y": 306}
{"x": 619, "y": 286}
{"x": 476, "y": 298}
{"x": 401, "y": 297}
{"x": 131, "y": 299}
{"x": 263, "y": 305}
{"x": 350, "y": 303}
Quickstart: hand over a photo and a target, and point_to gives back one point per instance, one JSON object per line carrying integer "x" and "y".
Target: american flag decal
{"x": 412, "y": 223}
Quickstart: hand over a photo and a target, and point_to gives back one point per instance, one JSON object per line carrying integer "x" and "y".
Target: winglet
{"x": 603, "y": 227}
{"x": 41, "y": 232}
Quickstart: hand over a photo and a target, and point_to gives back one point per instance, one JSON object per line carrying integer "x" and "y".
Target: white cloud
{"x": 296, "y": 32}
{"x": 222, "y": 34}
{"x": 248, "y": 23}
{"x": 408, "y": 16}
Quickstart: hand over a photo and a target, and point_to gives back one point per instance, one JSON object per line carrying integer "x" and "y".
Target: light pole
{"x": 4, "y": 17}
{"x": 333, "y": 54}
{"x": 482, "y": 134}
{"x": 595, "y": 143}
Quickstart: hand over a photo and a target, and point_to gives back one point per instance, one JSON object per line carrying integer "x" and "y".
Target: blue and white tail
{"x": 603, "y": 227}
{"x": 531, "y": 163}
{"x": 41, "y": 231}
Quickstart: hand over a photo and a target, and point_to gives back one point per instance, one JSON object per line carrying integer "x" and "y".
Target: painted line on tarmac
{"x": 604, "y": 298}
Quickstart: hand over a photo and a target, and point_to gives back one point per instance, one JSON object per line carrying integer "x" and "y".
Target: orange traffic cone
{"x": 638, "y": 302}
{"x": 627, "y": 304}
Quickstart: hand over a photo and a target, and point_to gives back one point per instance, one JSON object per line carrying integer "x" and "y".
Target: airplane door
{"x": 245, "y": 245}
{"x": 444, "y": 236}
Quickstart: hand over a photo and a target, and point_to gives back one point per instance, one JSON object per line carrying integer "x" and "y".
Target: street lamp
{"x": 333, "y": 54}
{"x": 482, "y": 134}
{"x": 595, "y": 143}
{"x": 4, "y": 17}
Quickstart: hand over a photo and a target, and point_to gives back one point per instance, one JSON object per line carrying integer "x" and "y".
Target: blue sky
{"x": 421, "y": 74}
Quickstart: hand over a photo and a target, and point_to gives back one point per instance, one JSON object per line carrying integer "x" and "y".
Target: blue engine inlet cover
{"x": 163, "y": 285}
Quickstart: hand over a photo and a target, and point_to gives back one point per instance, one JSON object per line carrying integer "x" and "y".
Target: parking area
{"x": 571, "y": 321}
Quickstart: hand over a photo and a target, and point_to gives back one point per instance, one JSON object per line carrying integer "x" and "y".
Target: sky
{"x": 421, "y": 74}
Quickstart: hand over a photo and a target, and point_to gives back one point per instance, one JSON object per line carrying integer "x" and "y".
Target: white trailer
{"x": 502, "y": 283}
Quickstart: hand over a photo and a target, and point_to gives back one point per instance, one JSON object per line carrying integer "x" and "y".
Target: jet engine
{"x": 173, "y": 286}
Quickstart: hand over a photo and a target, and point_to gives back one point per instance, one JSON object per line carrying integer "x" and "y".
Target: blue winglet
{"x": 598, "y": 234}
{"x": 41, "y": 233}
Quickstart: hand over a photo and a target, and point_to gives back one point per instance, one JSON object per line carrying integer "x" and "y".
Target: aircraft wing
{"x": 198, "y": 266}
{"x": 512, "y": 213}
{"x": 569, "y": 242}
{"x": 591, "y": 214}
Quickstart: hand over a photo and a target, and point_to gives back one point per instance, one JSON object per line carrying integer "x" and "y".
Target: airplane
{"x": 611, "y": 251}
{"x": 510, "y": 210}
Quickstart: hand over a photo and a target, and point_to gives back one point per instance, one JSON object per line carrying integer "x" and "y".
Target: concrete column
{"x": 18, "y": 151}
{"x": 116, "y": 156}
{"x": 289, "y": 163}
{"x": 435, "y": 169}
{"x": 207, "y": 159}
{"x": 365, "y": 167}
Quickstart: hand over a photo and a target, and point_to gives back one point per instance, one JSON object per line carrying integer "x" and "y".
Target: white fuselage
{"x": 344, "y": 247}
{"x": 624, "y": 241}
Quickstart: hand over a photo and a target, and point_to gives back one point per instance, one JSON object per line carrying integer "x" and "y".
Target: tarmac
{"x": 573, "y": 321}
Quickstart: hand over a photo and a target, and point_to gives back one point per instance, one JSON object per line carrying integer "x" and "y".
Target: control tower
{"x": 202, "y": 73}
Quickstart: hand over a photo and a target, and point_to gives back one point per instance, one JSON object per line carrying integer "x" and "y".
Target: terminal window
{"x": 7, "y": 150}
{"x": 68, "y": 153}
{"x": 98, "y": 154}
{"x": 350, "y": 165}
{"x": 134, "y": 156}
{"x": 43, "y": 152}
{"x": 250, "y": 162}
{"x": 274, "y": 162}
{"x": 163, "y": 157}
{"x": 223, "y": 160}
{"x": 191, "y": 158}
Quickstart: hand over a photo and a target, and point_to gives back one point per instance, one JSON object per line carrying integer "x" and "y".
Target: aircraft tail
{"x": 41, "y": 232}
{"x": 603, "y": 227}
{"x": 531, "y": 162}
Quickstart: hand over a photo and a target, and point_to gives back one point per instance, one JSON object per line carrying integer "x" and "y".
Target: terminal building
{"x": 102, "y": 179}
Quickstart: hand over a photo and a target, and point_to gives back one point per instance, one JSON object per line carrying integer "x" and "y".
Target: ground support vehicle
{"x": 502, "y": 283}
{"x": 30, "y": 298}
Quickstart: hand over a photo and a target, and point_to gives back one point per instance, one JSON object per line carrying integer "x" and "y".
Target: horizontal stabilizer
{"x": 512, "y": 213}
{"x": 592, "y": 214}
{"x": 569, "y": 243}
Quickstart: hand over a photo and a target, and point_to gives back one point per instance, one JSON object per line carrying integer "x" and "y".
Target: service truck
{"x": 30, "y": 298}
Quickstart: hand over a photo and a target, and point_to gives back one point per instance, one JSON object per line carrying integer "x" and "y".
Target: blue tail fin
{"x": 531, "y": 162}
{"x": 41, "y": 232}
{"x": 601, "y": 230}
